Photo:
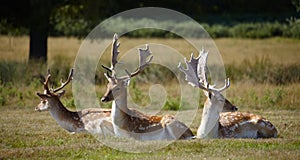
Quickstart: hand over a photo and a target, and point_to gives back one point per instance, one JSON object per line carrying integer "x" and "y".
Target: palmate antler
{"x": 196, "y": 73}
{"x": 191, "y": 71}
{"x": 202, "y": 69}
{"x": 143, "y": 62}
{"x": 50, "y": 91}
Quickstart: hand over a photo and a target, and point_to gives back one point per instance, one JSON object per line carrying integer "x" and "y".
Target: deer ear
{"x": 209, "y": 95}
{"x": 61, "y": 93}
{"x": 43, "y": 96}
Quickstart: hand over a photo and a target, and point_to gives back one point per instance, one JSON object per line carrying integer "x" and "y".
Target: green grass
{"x": 36, "y": 135}
{"x": 26, "y": 134}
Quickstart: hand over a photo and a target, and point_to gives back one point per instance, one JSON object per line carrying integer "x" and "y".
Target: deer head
{"x": 229, "y": 107}
{"x": 51, "y": 95}
{"x": 117, "y": 85}
{"x": 196, "y": 75}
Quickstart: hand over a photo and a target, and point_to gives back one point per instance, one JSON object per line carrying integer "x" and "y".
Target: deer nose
{"x": 37, "y": 109}
{"x": 104, "y": 99}
{"x": 235, "y": 108}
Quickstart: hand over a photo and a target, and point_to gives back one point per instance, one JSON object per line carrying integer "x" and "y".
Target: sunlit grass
{"x": 26, "y": 134}
{"x": 279, "y": 50}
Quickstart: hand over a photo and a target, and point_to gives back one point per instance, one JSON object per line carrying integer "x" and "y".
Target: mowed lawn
{"x": 26, "y": 134}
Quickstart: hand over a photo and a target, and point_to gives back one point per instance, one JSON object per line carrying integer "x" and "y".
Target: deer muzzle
{"x": 104, "y": 99}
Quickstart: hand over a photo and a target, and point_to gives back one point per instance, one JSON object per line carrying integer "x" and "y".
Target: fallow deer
{"x": 128, "y": 122}
{"x": 92, "y": 120}
{"x": 215, "y": 124}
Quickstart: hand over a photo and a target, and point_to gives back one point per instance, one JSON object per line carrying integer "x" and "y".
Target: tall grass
{"x": 19, "y": 81}
{"x": 262, "y": 70}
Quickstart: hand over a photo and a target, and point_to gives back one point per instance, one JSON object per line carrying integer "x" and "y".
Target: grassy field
{"x": 26, "y": 134}
{"x": 279, "y": 50}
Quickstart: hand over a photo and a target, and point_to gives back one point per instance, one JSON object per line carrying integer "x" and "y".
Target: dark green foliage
{"x": 81, "y": 27}
{"x": 293, "y": 29}
{"x": 8, "y": 29}
{"x": 258, "y": 30}
{"x": 68, "y": 20}
{"x": 290, "y": 29}
{"x": 217, "y": 31}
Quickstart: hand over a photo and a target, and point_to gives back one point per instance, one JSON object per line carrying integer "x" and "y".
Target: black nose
{"x": 104, "y": 99}
{"x": 235, "y": 108}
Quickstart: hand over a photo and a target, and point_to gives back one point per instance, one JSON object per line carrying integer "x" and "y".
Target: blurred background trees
{"x": 221, "y": 18}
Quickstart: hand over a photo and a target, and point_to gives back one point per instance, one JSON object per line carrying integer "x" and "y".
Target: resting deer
{"x": 129, "y": 122}
{"x": 92, "y": 120}
{"x": 215, "y": 124}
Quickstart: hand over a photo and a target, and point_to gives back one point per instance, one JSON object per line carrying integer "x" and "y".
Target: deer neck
{"x": 210, "y": 119}
{"x": 120, "y": 111}
{"x": 66, "y": 119}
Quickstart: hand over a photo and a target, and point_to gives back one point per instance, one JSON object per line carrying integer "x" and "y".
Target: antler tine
{"x": 202, "y": 67}
{"x": 107, "y": 68}
{"x": 108, "y": 77}
{"x": 191, "y": 71}
{"x": 202, "y": 70}
{"x": 45, "y": 82}
{"x": 47, "y": 77}
{"x": 42, "y": 78}
{"x": 226, "y": 85}
{"x": 202, "y": 73}
{"x": 63, "y": 84}
{"x": 196, "y": 73}
{"x": 115, "y": 51}
{"x": 143, "y": 62}
{"x": 114, "y": 54}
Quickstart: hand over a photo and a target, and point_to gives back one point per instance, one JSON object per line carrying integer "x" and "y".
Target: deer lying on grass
{"x": 92, "y": 120}
{"x": 129, "y": 122}
{"x": 215, "y": 124}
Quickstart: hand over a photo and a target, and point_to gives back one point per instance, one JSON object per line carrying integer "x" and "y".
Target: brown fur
{"x": 233, "y": 124}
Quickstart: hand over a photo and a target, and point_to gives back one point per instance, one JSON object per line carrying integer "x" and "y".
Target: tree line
{"x": 41, "y": 18}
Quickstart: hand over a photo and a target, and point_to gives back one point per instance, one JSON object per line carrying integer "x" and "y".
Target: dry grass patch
{"x": 279, "y": 50}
